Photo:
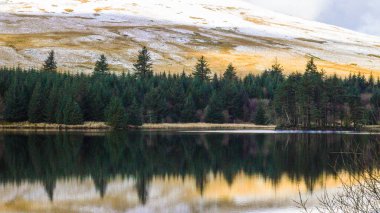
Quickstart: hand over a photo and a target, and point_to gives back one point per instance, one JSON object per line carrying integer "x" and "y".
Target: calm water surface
{"x": 174, "y": 171}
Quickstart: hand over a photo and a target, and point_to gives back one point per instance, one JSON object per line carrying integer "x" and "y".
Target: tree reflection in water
{"x": 142, "y": 156}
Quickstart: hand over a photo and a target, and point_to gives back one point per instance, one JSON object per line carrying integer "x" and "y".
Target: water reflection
{"x": 148, "y": 156}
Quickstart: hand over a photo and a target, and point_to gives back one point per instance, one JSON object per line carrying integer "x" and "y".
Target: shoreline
{"x": 101, "y": 126}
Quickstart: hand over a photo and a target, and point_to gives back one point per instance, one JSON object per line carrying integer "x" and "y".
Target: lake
{"x": 175, "y": 171}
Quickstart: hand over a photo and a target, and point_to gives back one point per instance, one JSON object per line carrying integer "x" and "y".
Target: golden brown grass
{"x": 27, "y": 125}
{"x": 69, "y": 10}
{"x": 219, "y": 49}
{"x": 259, "y": 21}
{"x": 205, "y": 126}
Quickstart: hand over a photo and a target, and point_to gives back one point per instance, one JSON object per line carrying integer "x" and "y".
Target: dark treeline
{"x": 308, "y": 100}
{"x": 143, "y": 156}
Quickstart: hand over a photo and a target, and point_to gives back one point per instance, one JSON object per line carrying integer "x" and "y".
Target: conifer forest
{"x": 308, "y": 99}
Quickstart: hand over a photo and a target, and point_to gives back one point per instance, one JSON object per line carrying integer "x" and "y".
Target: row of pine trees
{"x": 308, "y": 100}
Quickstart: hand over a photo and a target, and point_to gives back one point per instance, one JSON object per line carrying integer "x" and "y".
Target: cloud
{"x": 362, "y": 16}
{"x": 308, "y": 9}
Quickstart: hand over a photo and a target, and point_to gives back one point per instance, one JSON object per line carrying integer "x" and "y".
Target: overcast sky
{"x": 358, "y": 15}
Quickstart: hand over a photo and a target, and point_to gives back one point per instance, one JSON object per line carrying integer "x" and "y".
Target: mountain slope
{"x": 177, "y": 32}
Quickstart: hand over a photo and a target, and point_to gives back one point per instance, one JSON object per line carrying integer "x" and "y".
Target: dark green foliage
{"x": 144, "y": 156}
{"x": 214, "y": 111}
{"x": 155, "y": 106}
{"x": 189, "y": 110}
{"x": 16, "y": 102}
{"x": 134, "y": 114}
{"x": 143, "y": 65}
{"x": 36, "y": 105}
{"x": 230, "y": 73}
{"x": 309, "y": 100}
{"x": 101, "y": 65}
{"x": 260, "y": 118}
{"x": 115, "y": 114}
{"x": 51, "y": 107}
{"x": 72, "y": 114}
{"x": 2, "y": 108}
{"x": 50, "y": 64}
{"x": 202, "y": 70}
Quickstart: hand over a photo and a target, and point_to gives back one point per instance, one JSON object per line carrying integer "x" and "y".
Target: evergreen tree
{"x": 50, "y": 64}
{"x": 72, "y": 114}
{"x": 36, "y": 105}
{"x": 115, "y": 114}
{"x": 143, "y": 65}
{"x": 134, "y": 114}
{"x": 260, "y": 118}
{"x": 155, "y": 106}
{"x": 101, "y": 65}
{"x": 375, "y": 102}
{"x": 214, "y": 111}
{"x": 2, "y": 108}
{"x": 188, "y": 113}
{"x": 99, "y": 96}
{"x": 310, "y": 66}
{"x": 202, "y": 70}
{"x": 16, "y": 107}
{"x": 51, "y": 110}
{"x": 230, "y": 73}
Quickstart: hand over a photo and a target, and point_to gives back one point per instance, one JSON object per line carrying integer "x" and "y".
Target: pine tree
{"x": 99, "y": 96}
{"x": 202, "y": 70}
{"x": 51, "y": 111}
{"x": 50, "y": 64}
{"x": 188, "y": 113}
{"x": 143, "y": 65}
{"x": 36, "y": 105}
{"x": 311, "y": 67}
{"x": 155, "y": 106}
{"x": 260, "y": 118}
{"x": 72, "y": 114}
{"x": 2, "y": 108}
{"x": 230, "y": 73}
{"x": 375, "y": 102}
{"x": 214, "y": 111}
{"x": 16, "y": 107}
{"x": 115, "y": 114}
{"x": 134, "y": 114}
{"x": 101, "y": 65}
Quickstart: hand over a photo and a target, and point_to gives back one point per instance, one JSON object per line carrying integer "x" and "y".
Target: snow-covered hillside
{"x": 177, "y": 32}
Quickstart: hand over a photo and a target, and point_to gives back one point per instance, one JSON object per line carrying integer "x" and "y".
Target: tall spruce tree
{"x": 72, "y": 114}
{"x": 143, "y": 65}
{"x": 16, "y": 102}
{"x": 188, "y": 113}
{"x": 230, "y": 73}
{"x": 50, "y": 64}
{"x": 2, "y": 108}
{"x": 115, "y": 114}
{"x": 36, "y": 105}
{"x": 51, "y": 107}
{"x": 155, "y": 106}
{"x": 134, "y": 114}
{"x": 101, "y": 65}
{"x": 260, "y": 118}
{"x": 214, "y": 111}
{"x": 202, "y": 70}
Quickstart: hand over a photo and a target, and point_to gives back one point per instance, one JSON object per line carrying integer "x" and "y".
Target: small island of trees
{"x": 310, "y": 100}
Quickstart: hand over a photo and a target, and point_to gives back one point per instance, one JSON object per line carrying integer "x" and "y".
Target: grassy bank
{"x": 206, "y": 126}
{"x": 47, "y": 126}
{"x": 160, "y": 126}
{"x": 103, "y": 126}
